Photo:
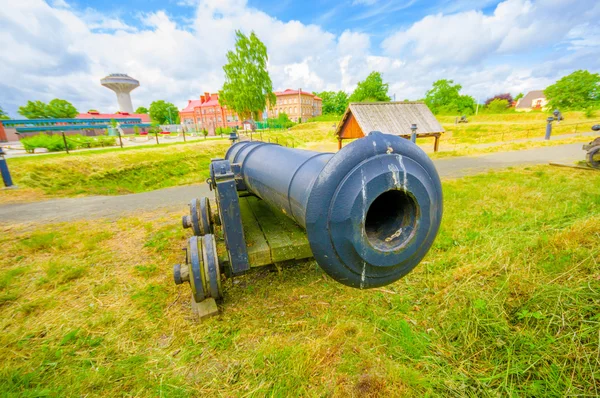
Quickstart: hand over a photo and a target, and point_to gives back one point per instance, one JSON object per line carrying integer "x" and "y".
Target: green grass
{"x": 505, "y": 304}
{"x": 138, "y": 169}
{"x": 116, "y": 171}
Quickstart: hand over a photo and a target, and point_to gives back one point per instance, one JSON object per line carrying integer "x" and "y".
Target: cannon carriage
{"x": 367, "y": 214}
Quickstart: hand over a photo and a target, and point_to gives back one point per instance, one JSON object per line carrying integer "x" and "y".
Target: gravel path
{"x": 91, "y": 207}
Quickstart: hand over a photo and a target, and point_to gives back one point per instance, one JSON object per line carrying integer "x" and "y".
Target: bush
{"x": 498, "y": 106}
{"x": 55, "y": 143}
{"x": 590, "y": 112}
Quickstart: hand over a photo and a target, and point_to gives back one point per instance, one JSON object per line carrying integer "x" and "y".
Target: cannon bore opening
{"x": 391, "y": 220}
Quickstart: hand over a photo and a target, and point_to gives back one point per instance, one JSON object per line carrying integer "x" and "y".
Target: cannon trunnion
{"x": 370, "y": 212}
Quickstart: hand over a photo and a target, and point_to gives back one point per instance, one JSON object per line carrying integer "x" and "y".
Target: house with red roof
{"x": 207, "y": 113}
{"x": 297, "y": 104}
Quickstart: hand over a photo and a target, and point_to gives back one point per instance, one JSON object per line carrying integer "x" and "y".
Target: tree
{"x": 498, "y": 105}
{"x": 55, "y": 109}
{"x": 163, "y": 112}
{"x": 284, "y": 120}
{"x": 61, "y": 109}
{"x": 141, "y": 110}
{"x": 444, "y": 97}
{"x": 505, "y": 96}
{"x": 578, "y": 90}
{"x": 34, "y": 110}
{"x": 371, "y": 89}
{"x": 333, "y": 103}
{"x": 248, "y": 88}
{"x": 3, "y": 115}
{"x": 518, "y": 97}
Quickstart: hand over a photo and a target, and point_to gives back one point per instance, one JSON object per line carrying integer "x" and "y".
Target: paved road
{"x": 92, "y": 207}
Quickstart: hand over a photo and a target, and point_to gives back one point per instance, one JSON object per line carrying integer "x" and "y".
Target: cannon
{"x": 367, "y": 214}
{"x": 593, "y": 152}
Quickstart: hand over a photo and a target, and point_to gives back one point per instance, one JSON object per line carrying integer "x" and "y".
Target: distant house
{"x": 532, "y": 100}
{"x": 390, "y": 118}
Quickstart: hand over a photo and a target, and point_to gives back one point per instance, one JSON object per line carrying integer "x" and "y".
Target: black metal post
{"x": 413, "y": 134}
{"x": 4, "y": 171}
{"x": 65, "y": 141}
{"x": 549, "y": 128}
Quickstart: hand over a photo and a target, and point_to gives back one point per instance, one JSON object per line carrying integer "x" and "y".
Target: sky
{"x": 177, "y": 48}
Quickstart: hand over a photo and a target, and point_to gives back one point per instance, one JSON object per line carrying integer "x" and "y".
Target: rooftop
{"x": 289, "y": 91}
{"x": 392, "y": 117}
{"x": 119, "y": 115}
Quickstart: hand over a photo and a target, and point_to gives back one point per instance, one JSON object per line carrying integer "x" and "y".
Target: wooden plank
{"x": 573, "y": 166}
{"x": 285, "y": 238}
{"x": 205, "y": 308}
{"x": 259, "y": 252}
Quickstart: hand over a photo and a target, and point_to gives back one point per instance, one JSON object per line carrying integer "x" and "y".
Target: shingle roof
{"x": 527, "y": 100}
{"x": 392, "y": 117}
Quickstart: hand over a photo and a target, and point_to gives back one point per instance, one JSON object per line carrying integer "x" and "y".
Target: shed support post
{"x": 339, "y": 144}
{"x": 436, "y": 143}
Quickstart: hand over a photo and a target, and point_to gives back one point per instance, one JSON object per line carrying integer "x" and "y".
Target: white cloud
{"x": 516, "y": 26}
{"x": 55, "y": 51}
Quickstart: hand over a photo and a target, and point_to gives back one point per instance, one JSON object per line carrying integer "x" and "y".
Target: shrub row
{"x": 55, "y": 143}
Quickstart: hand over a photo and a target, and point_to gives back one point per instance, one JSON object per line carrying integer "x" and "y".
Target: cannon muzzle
{"x": 371, "y": 211}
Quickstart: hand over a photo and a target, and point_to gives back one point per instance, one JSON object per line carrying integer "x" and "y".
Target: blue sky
{"x": 176, "y": 48}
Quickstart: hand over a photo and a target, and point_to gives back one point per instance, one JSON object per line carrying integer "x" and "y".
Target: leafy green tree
{"x": 34, "y": 110}
{"x": 248, "y": 88}
{"x": 333, "y": 103}
{"x": 163, "y": 112}
{"x": 141, "y": 110}
{"x": 284, "y": 120}
{"x": 3, "y": 115}
{"x": 371, "y": 89}
{"x": 498, "y": 105}
{"x": 61, "y": 109}
{"x": 445, "y": 98}
{"x": 518, "y": 97}
{"x": 55, "y": 109}
{"x": 578, "y": 90}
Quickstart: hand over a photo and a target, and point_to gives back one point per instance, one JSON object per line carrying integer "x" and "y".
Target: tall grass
{"x": 505, "y": 304}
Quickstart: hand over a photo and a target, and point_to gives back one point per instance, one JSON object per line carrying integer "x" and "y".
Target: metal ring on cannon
{"x": 202, "y": 269}
{"x": 200, "y": 217}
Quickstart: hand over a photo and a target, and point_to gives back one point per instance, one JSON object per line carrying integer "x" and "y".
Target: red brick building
{"x": 207, "y": 113}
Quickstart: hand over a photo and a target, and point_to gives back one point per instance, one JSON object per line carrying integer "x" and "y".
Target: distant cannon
{"x": 463, "y": 119}
{"x": 593, "y": 150}
{"x": 370, "y": 212}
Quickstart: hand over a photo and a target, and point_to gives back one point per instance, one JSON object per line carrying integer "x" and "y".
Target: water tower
{"x": 121, "y": 84}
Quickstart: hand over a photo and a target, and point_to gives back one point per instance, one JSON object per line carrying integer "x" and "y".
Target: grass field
{"x": 117, "y": 171}
{"x": 505, "y": 304}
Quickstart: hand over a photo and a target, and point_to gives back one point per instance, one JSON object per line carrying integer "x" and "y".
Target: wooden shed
{"x": 388, "y": 117}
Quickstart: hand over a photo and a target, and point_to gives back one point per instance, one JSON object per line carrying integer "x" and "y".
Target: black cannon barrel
{"x": 371, "y": 211}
